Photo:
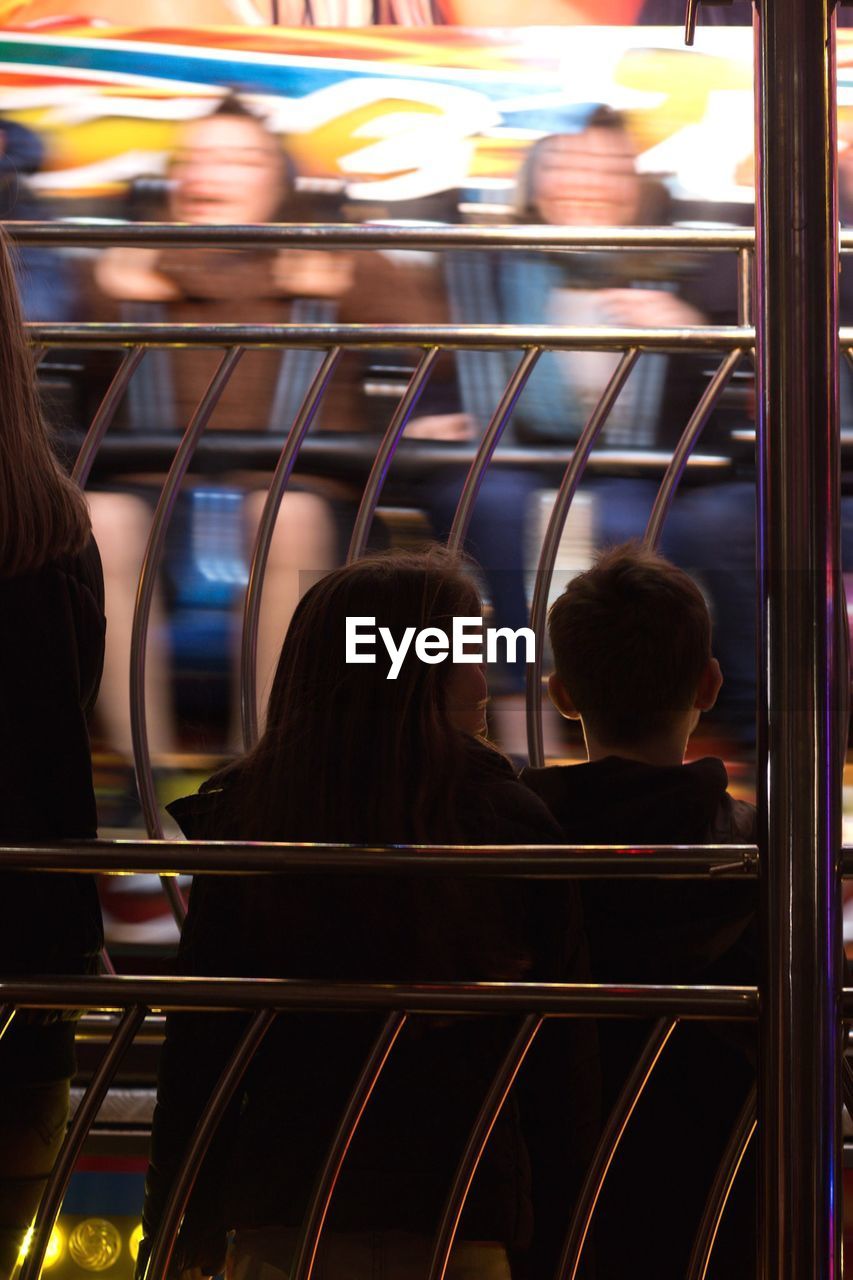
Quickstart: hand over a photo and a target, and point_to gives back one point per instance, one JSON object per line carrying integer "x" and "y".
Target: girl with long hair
{"x": 349, "y": 755}
{"x": 51, "y": 654}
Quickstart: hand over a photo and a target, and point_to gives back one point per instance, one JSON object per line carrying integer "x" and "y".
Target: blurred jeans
{"x": 367, "y": 1255}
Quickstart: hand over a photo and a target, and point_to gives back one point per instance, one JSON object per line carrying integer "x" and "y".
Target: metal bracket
{"x": 691, "y": 13}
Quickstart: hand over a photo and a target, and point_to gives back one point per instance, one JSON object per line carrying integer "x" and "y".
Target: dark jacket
{"x": 653, "y": 931}
{"x": 352, "y": 928}
{"x": 665, "y": 931}
{"x": 51, "y": 656}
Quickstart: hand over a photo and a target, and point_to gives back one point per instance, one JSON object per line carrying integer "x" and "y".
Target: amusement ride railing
{"x": 134, "y": 997}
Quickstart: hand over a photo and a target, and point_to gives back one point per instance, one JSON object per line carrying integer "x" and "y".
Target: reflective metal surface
{"x": 385, "y": 452}
{"x": 145, "y": 594}
{"x": 104, "y": 415}
{"x": 358, "y": 236}
{"x": 718, "y": 1197}
{"x": 217, "y": 857}
{"x": 631, "y": 1000}
{"x": 453, "y": 337}
{"x": 475, "y": 1146}
{"x": 278, "y": 485}
{"x": 551, "y": 543}
{"x": 491, "y": 439}
{"x": 608, "y": 1145}
{"x": 687, "y": 443}
{"x": 799, "y": 1102}
{"x": 72, "y": 1145}
{"x": 305, "y": 1253}
{"x": 164, "y": 1241}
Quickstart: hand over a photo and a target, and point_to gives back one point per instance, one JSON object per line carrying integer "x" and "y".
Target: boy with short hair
{"x": 631, "y": 639}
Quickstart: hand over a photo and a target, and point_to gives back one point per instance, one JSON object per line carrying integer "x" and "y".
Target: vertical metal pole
{"x": 800, "y": 697}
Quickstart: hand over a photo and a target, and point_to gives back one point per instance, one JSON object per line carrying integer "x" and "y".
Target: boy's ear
{"x": 561, "y": 698}
{"x": 710, "y": 683}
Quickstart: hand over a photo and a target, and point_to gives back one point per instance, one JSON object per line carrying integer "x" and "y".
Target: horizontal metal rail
{"x": 102, "y": 235}
{"x": 357, "y": 236}
{"x": 232, "y": 450}
{"x": 214, "y": 857}
{"x": 231, "y": 995}
{"x": 372, "y": 337}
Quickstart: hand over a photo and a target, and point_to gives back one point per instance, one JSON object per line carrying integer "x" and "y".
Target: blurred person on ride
{"x": 590, "y": 178}
{"x": 228, "y": 168}
{"x": 46, "y": 283}
{"x": 51, "y": 654}
{"x": 349, "y": 755}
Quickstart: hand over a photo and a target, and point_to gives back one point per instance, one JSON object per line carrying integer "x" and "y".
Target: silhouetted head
{"x": 349, "y": 754}
{"x": 631, "y": 639}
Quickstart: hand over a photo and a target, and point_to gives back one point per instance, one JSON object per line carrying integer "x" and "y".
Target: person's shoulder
{"x": 734, "y": 821}
{"x": 200, "y": 815}
{"x": 64, "y": 587}
{"x": 552, "y": 783}
{"x": 506, "y": 811}
{"x": 85, "y": 569}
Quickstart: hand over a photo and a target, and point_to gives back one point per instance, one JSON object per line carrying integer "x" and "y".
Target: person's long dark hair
{"x": 350, "y": 756}
{"x": 347, "y": 754}
{"x": 43, "y": 514}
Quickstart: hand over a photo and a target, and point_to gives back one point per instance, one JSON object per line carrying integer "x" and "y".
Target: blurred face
{"x": 467, "y": 696}
{"x": 227, "y": 170}
{"x": 587, "y": 179}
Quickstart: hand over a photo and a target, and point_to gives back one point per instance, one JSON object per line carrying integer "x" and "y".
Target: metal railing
{"x": 734, "y": 341}
{"x": 134, "y": 997}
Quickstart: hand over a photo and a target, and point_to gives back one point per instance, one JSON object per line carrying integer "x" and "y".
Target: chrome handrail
{"x": 220, "y": 857}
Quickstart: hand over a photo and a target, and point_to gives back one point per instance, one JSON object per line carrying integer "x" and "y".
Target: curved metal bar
{"x": 385, "y": 452}
{"x": 490, "y": 441}
{"x": 278, "y": 485}
{"x": 550, "y": 545}
{"x": 7, "y": 1017}
{"x": 107, "y": 962}
{"x": 744, "y": 287}
{"x": 164, "y": 1241}
{"x": 476, "y": 1144}
{"x": 104, "y": 415}
{"x": 690, "y": 16}
{"x": 145, "y": 595}
{"x": 608, "y": 1145}
{"x": 51, "y": 1200}
{"x": 686, "y": 444}
{"x": 721, "y": 1188}
{"x": 309, "y": 1239}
